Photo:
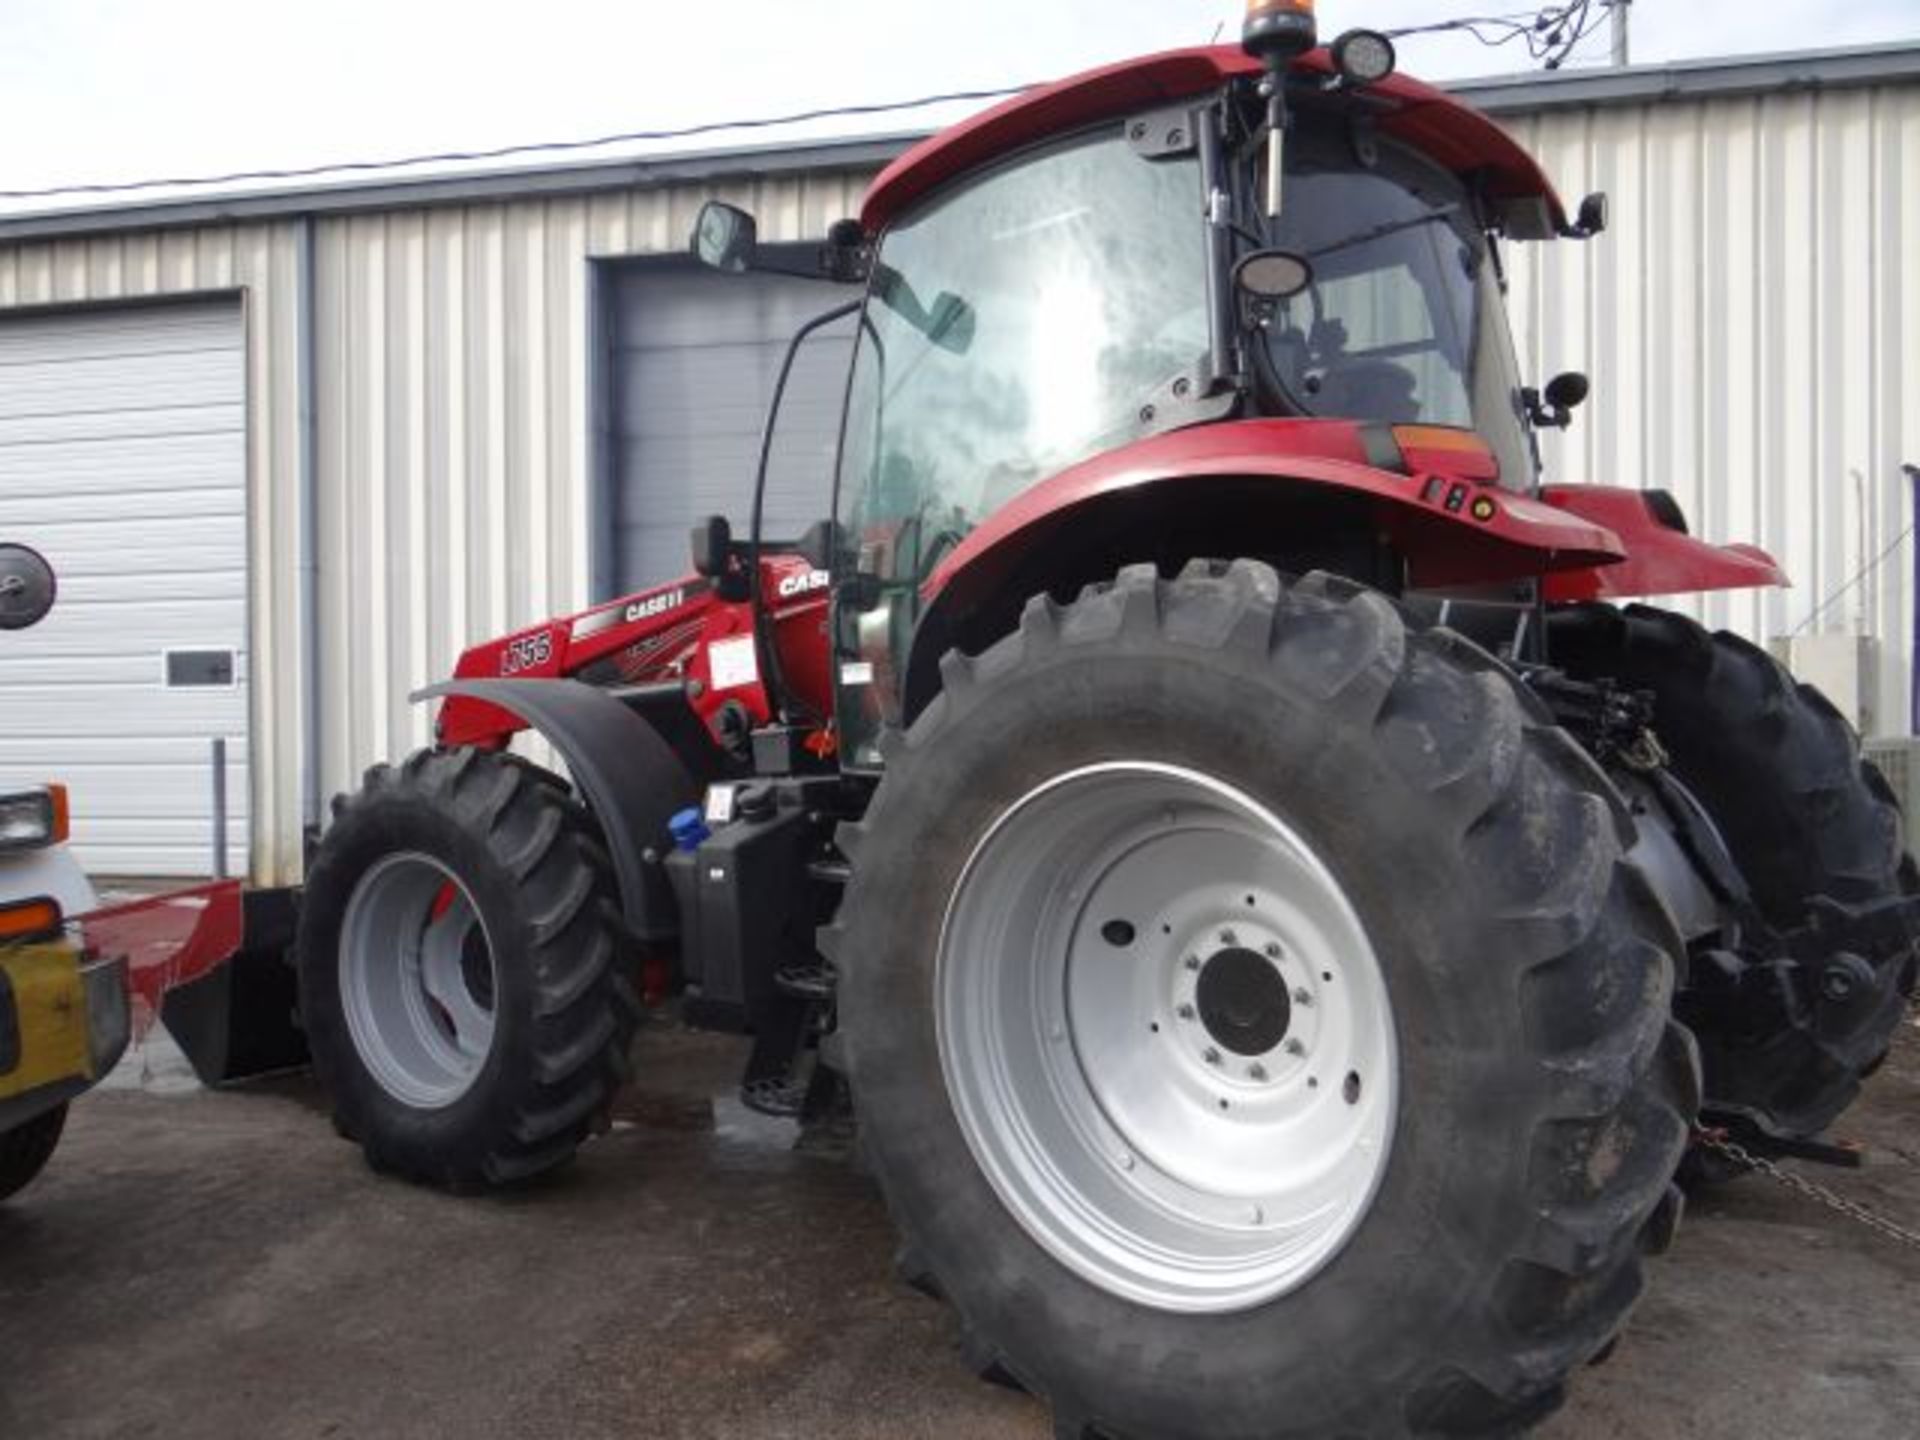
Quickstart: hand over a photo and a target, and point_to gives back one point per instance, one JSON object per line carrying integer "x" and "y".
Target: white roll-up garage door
{"x": 123, "y": 461}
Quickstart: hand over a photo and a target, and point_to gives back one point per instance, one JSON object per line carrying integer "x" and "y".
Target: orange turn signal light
{"x": 1277, "y": 30}
{"x": 57, "y": 796}
{"x": 30, "y": 920}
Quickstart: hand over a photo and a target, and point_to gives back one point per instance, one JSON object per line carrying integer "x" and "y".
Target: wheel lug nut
{"x": 1227, "y": 937}
{"x": 1192, "y": 962}
{"x": 1212, "y": 1056}
{"x": 1302, "y": 997}
{"x": 1273, "y": 951}
{"x": 1295, "y": 1048}
{"x": 1256, "y": 1072}
{"x": 1185, "y": 1012}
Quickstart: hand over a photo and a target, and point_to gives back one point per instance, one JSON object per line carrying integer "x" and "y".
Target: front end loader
{"x": 1278, "y": 922}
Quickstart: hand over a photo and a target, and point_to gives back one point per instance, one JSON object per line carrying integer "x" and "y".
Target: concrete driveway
{"x": 221, "y": 1266}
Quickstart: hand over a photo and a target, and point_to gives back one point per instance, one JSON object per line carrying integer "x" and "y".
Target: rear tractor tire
{"x": 463, "y": 975}
{"x": 1805, "y": 819}
{"x": 1255, "y": 1029}
{"x": 26, "y": 1149}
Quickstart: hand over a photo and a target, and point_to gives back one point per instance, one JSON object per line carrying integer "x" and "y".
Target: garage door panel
{"x": 135, "y": 383}
{"x": 56, "y": 337}
{"x": 92, "y": 464}
{"x": 209, "y": 419}
{"x": 694, "y": 359}
{"x": 123, "y": 460}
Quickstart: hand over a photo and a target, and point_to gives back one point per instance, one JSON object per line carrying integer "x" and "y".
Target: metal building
{"x": 291, "y": 452}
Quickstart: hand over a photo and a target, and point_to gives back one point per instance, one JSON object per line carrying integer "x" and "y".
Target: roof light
{"x": 1363, "y": 57}
{"x": 1277, "y": 30}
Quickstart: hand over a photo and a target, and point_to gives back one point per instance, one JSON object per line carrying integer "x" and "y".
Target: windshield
{"x": 1017, "y": 327}
{"x": 1402, "y": 321}
{"x": 1014, "y": 327}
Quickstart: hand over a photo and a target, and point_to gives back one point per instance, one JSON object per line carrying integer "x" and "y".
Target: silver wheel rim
{"x": 417, "y": 980}
{"x": 1116, "y": 1056}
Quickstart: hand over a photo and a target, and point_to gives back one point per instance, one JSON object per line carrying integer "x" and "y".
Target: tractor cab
{"x": 1300, "y": 246}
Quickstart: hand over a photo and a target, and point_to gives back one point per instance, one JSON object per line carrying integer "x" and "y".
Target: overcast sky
{"x": 112, "y": 90}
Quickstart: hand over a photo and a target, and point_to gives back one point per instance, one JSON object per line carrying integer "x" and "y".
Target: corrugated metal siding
{"x": 1752, "y": 326}
{"x": 454, "y": 456}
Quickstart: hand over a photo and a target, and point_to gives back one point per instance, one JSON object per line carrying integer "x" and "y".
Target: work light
{"x": 1277, "y": 30}
{"x": 1363, "y": 57}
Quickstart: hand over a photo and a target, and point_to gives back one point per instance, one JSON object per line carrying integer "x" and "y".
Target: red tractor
{"x": 1272, "y": 917}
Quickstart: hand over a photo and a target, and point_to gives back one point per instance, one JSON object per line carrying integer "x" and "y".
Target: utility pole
{"x": 1621, "y": 9}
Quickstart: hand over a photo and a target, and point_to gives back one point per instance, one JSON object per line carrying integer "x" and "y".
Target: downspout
{"x": 306, "y": 468}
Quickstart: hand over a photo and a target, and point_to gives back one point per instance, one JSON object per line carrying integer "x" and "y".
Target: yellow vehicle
{"x": 64, "y": 1012}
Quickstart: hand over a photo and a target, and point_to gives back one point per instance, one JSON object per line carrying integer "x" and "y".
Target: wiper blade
{"x": 1391, "y": 227}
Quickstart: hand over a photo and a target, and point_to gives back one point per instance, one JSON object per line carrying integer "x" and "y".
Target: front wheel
{"x": 1254, "y": 1027}
{"x": 26, "y": 1149}
{"x": 463, "y": 978}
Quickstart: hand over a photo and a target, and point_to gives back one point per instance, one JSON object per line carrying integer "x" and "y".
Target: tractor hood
{"x": 1454, "y": 135}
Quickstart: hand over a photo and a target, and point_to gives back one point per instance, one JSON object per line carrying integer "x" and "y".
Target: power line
{"x": 1861, "y": 574}
{"x": 542, "y": 147}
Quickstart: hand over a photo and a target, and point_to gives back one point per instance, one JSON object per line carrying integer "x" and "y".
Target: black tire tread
{"x": 27, "y": 1147}
{"x": 583, "y": 1011}
{"x": 1623, "y": 1096}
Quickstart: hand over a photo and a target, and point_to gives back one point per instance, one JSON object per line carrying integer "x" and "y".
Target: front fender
{"x": 1451, "y": 530}
{"x": 625, "y": 771}
{"x": 1661, "y": 557}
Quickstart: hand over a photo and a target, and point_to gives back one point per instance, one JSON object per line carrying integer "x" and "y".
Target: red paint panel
{"x": 169, "y": 940}
{"x": 1454, "y": 134}
{"x": 1434, "y": 519}
{"x": 1659, "y": 561}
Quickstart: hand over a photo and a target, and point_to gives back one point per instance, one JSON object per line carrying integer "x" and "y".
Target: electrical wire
{"x": 542, "y": 147}
{"x": 1549, "y": 34}
{"x": 1861, "y": 574}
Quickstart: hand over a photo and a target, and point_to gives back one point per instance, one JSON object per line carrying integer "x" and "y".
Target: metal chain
{"x": 1819, "y": 1194}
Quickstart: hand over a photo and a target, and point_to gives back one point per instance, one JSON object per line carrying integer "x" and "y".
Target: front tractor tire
{"x": 1255, "y": 1029}
{"x": 463, "y": 976}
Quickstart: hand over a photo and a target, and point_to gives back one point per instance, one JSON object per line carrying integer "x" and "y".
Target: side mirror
{"x": 1565, "y": 393}
{"x": 27, "y": 587}
{"x": 1272, "y": 275}
{"x": 725, "y": 237}
{"x": 712, "y": 546}
{"x": 1591, "y": 219}
{"x": 1568, "y": 390}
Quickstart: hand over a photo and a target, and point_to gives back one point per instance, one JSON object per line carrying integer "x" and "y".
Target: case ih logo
{"x": 804, "y": 584}
{"x": 656, "y": 605}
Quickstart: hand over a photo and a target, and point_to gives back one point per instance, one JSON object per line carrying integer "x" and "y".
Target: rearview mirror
{"x": 712, "y": 543}
{"x": 725, "y": 237}
{"x": 27, "y": 587}
{"x": 1273, "y": 274}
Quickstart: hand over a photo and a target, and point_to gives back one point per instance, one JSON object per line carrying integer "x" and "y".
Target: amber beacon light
{"x": 1277, "y": 30}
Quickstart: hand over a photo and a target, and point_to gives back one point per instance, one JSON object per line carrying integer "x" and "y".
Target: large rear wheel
{"x": 1253, "y": 1025}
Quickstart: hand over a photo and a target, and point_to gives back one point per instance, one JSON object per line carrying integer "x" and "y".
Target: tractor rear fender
{"x": 1661, "y": 557}
{"x": 1230, "y": 490}
{"x": 624, "y": 770}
